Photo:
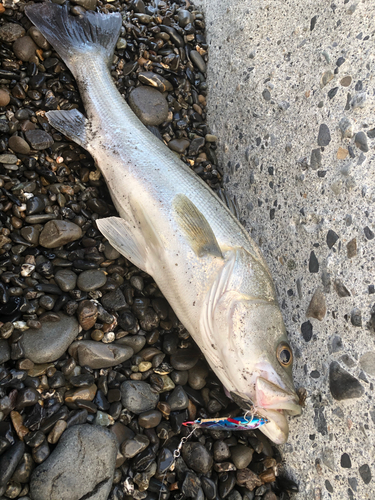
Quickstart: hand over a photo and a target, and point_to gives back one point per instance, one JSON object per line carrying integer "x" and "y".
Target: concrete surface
{"x": 275, "y": 76}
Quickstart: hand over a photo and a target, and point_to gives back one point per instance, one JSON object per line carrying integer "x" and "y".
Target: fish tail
{"x": 93, "y": 33}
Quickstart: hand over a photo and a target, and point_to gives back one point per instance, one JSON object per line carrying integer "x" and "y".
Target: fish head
{"x": 257, "y": 360}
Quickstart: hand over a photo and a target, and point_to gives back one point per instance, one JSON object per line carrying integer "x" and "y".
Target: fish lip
{"x": 271, "y": 396}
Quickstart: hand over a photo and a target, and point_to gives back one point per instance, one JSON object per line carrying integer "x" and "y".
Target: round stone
{"x": 16, "y": 143}
{"x": 91, "y": 280}
{"x": 97, "y": 355}
{"x": 198, "y": 61}
{"x": 197, "y": 457}
{"x": 137, "y": 396}
{"x": 149, "y": 105}
{"x": 59, "y": 232}
{"x": 24, "y": 48}
{"x": 4, "y": 101}
{"x": 179, "y": 145}
{"x": 39, "y": 139}
{"x": 66, "y": 279}
{"x": 241, "y": 456}
{"x": 184, "y": 359}
{"x": 149, "y": 419}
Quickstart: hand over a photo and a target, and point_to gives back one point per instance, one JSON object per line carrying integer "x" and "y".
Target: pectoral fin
{"x": 125, "y": 239}
{"x": 71, "y": 123}
{"x": 195, "y": 227}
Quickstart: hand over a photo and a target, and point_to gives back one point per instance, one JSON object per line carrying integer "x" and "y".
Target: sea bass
{"x": 173, "y": 227}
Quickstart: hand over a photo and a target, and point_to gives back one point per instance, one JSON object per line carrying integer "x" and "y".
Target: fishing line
{"x": 176, "y": 454}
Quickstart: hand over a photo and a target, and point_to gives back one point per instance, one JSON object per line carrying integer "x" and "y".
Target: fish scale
{"x": 175, "y": 228}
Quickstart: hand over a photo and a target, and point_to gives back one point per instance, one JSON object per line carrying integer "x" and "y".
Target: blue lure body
{"x": 244, "y": 423}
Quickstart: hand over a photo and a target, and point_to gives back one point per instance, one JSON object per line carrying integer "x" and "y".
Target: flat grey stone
{"x": 4, "y": 351}
{"x": 91, "y": 280}
{"x": 98, "y": 355}
{"x": 149, "y": 105}
{"x": 66, "y": 279}
{"x": 50, "y": 341}
{"x": 59, "y": 232}
{"x": 81, "y": 465}
{"x": 138, "y": 397}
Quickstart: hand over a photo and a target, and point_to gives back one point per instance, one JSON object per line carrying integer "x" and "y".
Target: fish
{"x": 175, "y": 228}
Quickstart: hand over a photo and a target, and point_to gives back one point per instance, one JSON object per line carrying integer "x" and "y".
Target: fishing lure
{"x": 244, "y": 423}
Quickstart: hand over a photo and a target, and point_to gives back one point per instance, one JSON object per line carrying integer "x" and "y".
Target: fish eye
{"x": 284, "y": 354}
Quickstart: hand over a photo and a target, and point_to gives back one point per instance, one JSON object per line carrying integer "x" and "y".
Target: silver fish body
{"x": 175, "y": 228}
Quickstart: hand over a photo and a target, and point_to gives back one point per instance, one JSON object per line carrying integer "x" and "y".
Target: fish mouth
{"x": 270, "y": 396}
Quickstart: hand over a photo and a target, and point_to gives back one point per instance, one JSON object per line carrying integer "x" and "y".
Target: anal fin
{"x": 72, "y": 124}
{"x": 195, "y": 227}
{"x": 125, "y": 239}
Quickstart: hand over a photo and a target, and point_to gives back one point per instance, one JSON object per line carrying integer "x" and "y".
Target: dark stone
{"x": 342, "y": 384}
{"x": 316, "y": 159}
{"x": 9, "y": 461}
{"x": 331, "y": 94}
{"x": 320, "y": 421}
{"x": 149, "y": 419}
{"x": 226, "y": 486}
{"x": 178, "y": 399}
{"x": 341, "y": 289}
{"x": 368, "y": 233}
{"x": 332, "y": 237}
{"x": 307, "y": 331}
{"x": 346, "y": 463}
{"x": 138, "y": 397}
{"x": 114, "y": 301}
{"x": 360, "y": 141}
{"x": 191, "y": 484}
{"x": 209, "y": 488}
{"x": 313, "y": 263}
{"x": 324, "y": 136}
{"x": 365, "y": 473}
{"x": 197, "y": 457}
{"x": 39, "y": 139}
{"x": 184, "y": 359}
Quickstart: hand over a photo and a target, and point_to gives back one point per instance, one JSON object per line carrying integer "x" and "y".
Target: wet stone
{"x": 87, "y": 314}
{"x": 221, "y": 451}
{"x": 197, "y": 457}
{"x": 91, "y": 280}
{"x": 136, "y": 342}
{"x": 97, "y": 355}
{"x": 8, "y": 159}
{"x": 59, "y": 232}
{"x": 149, "y": 105}
{"x": 35, "y": 205}
{"x": 190, "y": 485}
{"x": 198, "y": 61}
{"x": 138, "y": 397}
{"x": 75, "y": 468}
{"x": 226, "y": 486}
{"x": 24, "y": 469}
{"x": 184, "y": 359}
{"x": 50, "y": 341}
{"x": 342, "y": 384}
{"x": 114, "y": 301}
{"x": 132, "y": 447}
{"x": 24, "y": 48}
{"x": 9, "y": 461}
{"x": 149, "y": 419}
{"x": 10, "y": 32}
{"x": 178, "y": 399}
{"x": 39, "y": 139}
{"x": 241, "y": 456}
{"x": 66, "y": 279}
{"x": 27, "y": 397}
{"x": 324, "y": 136}
{"x": 4, "y": 351}
{"x": 179, "y": 145}
{"x": 209, "y": 488}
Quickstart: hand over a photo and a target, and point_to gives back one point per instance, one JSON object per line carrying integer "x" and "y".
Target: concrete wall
{"x": 291, "y": 85}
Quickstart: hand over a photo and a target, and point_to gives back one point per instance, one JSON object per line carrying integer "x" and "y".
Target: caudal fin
{"x": 71, "y": 36}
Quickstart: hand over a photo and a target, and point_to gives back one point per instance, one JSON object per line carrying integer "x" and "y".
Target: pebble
{"x": 149, "y": 419}
{"x": 360, "y": 141}
{"x": 179, "y": 145}
{"x": 59, "y": 232}
{"x": 66, "y": 279}
{"x": 197, "y": 376}
{"x": 367, "y": 362}
{"x": 190, "y": 485}
{"x": 51, "y": 340}
{"x": 221, "y": 451}
{"x": 324, "y": 136}
{"x": 75, "y": 468}
{"x": 132, "y": 447}
{"x": 9, "y": 461}
{"x": 38, "y": 139}
{"x": 365, "y": 473}
{"x": 149, "y": 105}
{"x": 197, "y": 457}
{"x": 114, "y": 301}
{"x": 241, "y": 456}
{"x": 184, "y": 359}
{"x": 137, "y": 396}
{"x": 313, "y": 263}
{"x": 24, "y": 469}
{"x": 342, "y": 384}
{"x": 4, "y": 100}
{"x": 91, "y": 280}
{"x": 57, "y": 431}
{"x": 87, "y": 314}
{"x": 178, "y": 399}
{"x": 155, "y": 80}
{"x": 4, "y": 351}
{"x": 136, "y": 342}
{"x": 10, "y": 32}
{"x": 97, "y": 355}
{"x": 24, "y": 48}
{"x": 198, "y": 61}
{"x": 317, "y": 308}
